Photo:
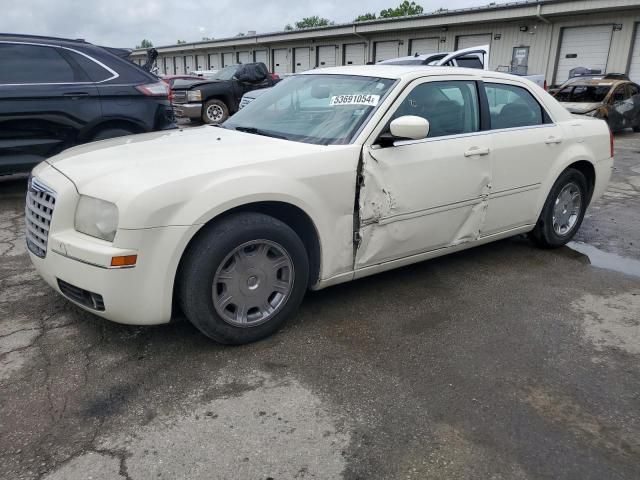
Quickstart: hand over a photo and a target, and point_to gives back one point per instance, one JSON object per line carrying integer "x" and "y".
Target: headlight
{"x": 194, "y": 96}
{"x": 96, "y": 218}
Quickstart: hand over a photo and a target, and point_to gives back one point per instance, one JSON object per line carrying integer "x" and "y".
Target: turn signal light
{"x": 124, "y": 261}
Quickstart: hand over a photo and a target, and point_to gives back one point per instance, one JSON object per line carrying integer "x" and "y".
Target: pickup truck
{"x": 473, "y": 57}
{"x": 213, "y": 101}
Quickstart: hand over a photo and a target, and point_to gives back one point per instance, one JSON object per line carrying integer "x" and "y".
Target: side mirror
{"x": 409, "y": 127}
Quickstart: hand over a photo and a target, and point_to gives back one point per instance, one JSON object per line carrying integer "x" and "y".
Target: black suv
{"x": 57, "y": 93}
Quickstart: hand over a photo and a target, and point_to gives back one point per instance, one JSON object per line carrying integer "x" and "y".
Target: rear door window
{"x": 95, "y": 71}
{"x": 512, "y": 107}
{"x": 33, "y": 64}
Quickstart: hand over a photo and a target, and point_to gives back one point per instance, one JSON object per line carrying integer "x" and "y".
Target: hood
{"x": 580, "y": 108}
{"x": 120, "y": 167}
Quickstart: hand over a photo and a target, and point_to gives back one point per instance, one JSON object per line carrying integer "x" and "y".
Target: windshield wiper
{"x": 257, "y": 131}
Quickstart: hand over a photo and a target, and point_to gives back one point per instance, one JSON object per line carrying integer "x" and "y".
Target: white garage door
{"x": 583, "y": 47}
{"x": 261, "y": 56}
{"x": 634, "y": 66}
{"x": 423, "y": 46}
{"x": 468, "y": 41}
{"x": 214, "y": 61}
{"x": 227, "y": 59}
{"x": 279, "y": 60}
{"x": 327, "y": 56}
{"x": 189, "y": 63}
{"x": 243, "y": 57}
{"x": 354, "y": 54}
{"x": 302, "y": 57}
{"x": 168, "y": 66}
{"x": 201, "y": 62}
{"x": 387, "y": 50}
{"x": 179, "y": 65}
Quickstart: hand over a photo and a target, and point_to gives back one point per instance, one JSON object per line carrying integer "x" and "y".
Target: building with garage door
{"x": 549, "y": 37}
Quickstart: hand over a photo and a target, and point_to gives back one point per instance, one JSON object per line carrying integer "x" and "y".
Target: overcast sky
{"x": 124, "y": 23}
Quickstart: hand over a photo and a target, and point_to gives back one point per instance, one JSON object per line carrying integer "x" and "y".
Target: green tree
{"x": 403, "y": 10}
{"x": 145, "y": 44}
{"x": 180, "y": 42}
{"x": 309, "y": 22}
{"x": 365, "y": 16}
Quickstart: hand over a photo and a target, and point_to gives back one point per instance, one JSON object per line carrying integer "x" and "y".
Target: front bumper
{"x": 79, "y": 266}
{"x": 188, "y": 110}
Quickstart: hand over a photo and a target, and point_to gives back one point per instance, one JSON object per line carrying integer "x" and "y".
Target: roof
{"x": 602, "y": 82}
{"x": 407, "y": 72}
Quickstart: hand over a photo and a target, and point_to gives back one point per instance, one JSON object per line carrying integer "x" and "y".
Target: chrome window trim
{"x": 402, "y": 143}
{"x": 113, "y": 73}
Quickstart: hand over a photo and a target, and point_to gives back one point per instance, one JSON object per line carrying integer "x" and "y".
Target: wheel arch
{"x": 122, "y": 123}
{"x": 290, "y": 214}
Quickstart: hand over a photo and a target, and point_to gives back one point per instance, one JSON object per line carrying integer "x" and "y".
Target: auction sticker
{"x": 355, "y": 99}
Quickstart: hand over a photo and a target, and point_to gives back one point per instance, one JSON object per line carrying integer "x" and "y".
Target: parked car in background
{"x": 56, "y": 93}
{"x": 332, "y": 175}
{"x": 612, "y": 99}
{"x": 208, "y": 74}
{"x": 473, "y": 57}
{"x": 214, "y": 101}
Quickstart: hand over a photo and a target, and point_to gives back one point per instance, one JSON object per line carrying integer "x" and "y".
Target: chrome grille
{"x": 41, "y": 201}
{"x": 179, "y": 96}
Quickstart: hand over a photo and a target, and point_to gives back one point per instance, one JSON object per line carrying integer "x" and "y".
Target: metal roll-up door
{"x": 468, "y": 41}
{"x": 179, "y": 61}
{"x": 227, "y": 59}
{"x": 424, "y": 46}
{"x": 188, "y": 61}
{"x": 169, "y": 66}
{"x": 279, "y": 60}
{"x": 583, "y": 47}
{"x": 634, "y": 65}
{"x": 387, "y": 50}
{"x": 201, "y": 62}
{"x": 243, "y": 57}
{"x": 214, "y": 61}
{"x": 261, "y": 56}
{"x": 354, "y": 54}
{"x": 327, "y": 56}
{"x": 302, "y": 57}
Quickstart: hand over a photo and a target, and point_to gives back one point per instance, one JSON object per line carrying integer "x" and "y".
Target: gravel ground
{"x": 500, "y": 362}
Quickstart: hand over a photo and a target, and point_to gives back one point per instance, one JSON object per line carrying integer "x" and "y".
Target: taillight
{"x": 611, "y": 142}
{"x": 158, "y": 89}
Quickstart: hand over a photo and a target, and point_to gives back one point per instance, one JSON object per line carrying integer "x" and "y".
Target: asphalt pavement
{"x": 501, "y": 362}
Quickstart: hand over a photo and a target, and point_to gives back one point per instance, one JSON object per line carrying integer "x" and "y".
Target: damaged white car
{"x": 330, "y": 176}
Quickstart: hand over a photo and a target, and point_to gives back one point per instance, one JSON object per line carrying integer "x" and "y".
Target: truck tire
{"x": 214, "y": 112}
{"x": 243, "y": 277}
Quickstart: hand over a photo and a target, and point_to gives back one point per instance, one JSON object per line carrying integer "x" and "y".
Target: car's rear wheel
{"x": 563, "y": 210}
{"x": 243, "y": 277}
{"x": 214, "y": 112}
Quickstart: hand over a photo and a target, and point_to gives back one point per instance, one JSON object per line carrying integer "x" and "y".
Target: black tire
{"x": 205, "y": 256}
{"x": 636, "y": 128}
{"x": 111, "y": 133}
{"x": 214, "y": 106}
{"x": 544, "y": 234}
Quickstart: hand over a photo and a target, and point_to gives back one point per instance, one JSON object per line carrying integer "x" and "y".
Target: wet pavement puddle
{"x": 610, "y": 261}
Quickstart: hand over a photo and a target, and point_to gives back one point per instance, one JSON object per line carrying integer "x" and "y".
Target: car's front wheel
{"x": 243, "y": 277}
{"x": 563, "y": 210}
{"x": 214, "y": 112}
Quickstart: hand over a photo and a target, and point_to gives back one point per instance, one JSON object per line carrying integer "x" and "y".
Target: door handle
{"x": 75, "y": 94}
{"x": 473, "y": 151}
{"x": 552, "y": 140}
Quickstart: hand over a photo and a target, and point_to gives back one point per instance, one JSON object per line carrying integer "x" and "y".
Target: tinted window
{"x": 583, "y": 93}
{"x": 633, "y": 89}
{"x": 33, "y": 64}
{"x": 513, "y": 107}
{"x": 620, "y": 94}
{"x": 94, "y": 71}
{"x": 469, "y": 62}
{"x": 450, "y": 107}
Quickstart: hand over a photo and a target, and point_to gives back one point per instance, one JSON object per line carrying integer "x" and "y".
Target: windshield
{"x": 320, "y": 109}
{"x": 583, "y": 93}
{"x": 227, "y": 73}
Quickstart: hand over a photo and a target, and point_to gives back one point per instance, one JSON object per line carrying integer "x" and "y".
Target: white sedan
{"x": 330, "y": 176}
